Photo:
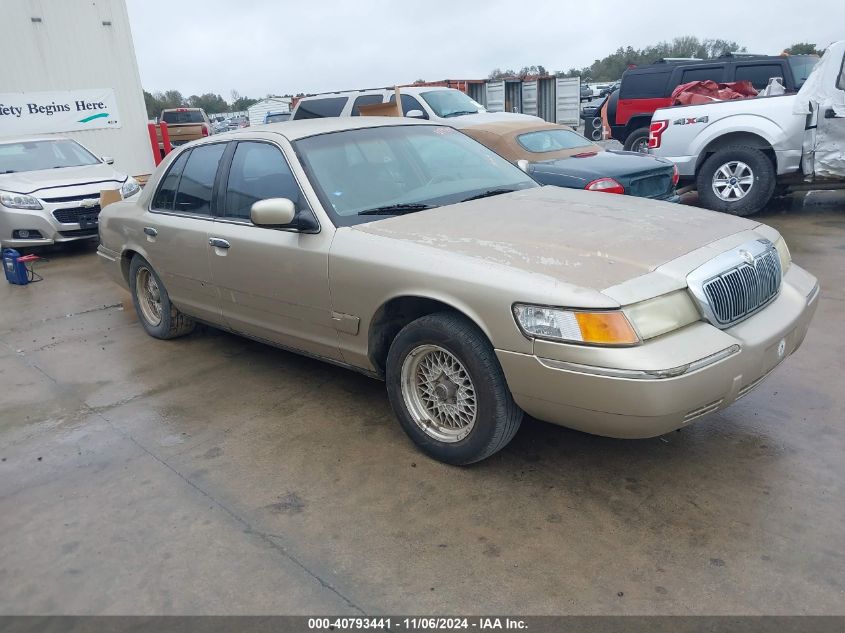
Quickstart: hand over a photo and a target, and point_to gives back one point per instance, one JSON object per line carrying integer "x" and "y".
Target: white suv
{"x": 418, "y": 102}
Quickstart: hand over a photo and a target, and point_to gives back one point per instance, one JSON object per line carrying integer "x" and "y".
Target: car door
{"x": 176, "y": 230}
{"x": 273, "y": 281}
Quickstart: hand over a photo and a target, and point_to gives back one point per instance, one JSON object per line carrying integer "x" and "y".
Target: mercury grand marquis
{"x": 409, "y": 252}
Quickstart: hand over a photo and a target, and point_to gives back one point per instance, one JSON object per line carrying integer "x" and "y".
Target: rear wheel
{"x": 637, "y": 141}
{"x": 159, "y": 317}
{"x": 739, "y": 180}
{"x": 448, "y": 390}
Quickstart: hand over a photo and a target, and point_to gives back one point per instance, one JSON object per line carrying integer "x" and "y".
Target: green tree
{"x": 802, "y": 48}
{"x": 153, "y": 105}
{"x": 210, "y": 102}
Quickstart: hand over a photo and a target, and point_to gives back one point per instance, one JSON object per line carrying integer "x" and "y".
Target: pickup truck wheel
{"x": 637, "y": 141}
{"x": 448, "y": 390}
{"x": 159, "y": 317}
{"x": 738, "y": 180}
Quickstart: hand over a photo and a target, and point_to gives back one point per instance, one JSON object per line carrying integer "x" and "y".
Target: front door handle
{"x": 150, "y": 231}
{"x": 218, "y": 243}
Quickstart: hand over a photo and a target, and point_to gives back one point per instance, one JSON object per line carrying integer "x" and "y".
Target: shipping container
{"x": 71, "y": 68}
{"x": 257, "y": 111}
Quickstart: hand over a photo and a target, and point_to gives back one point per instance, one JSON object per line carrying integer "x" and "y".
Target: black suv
{"x": 647, "y": 88}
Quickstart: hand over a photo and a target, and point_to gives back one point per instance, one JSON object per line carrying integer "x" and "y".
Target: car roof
{"x": 30, "y": 139}
{"x": 501, "y": 137}
{"x": 293, "y": 130}
{"x": 411, "y": 90}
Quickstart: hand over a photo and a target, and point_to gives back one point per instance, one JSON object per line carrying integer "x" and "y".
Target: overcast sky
{"x": 259, "y": 47}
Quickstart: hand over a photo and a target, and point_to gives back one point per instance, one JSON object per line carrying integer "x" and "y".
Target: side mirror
{"x": 272, "y": 212}
{"x": 523, "y": 164}
{"x": 108, "y": 160}
{"x": 415, "y": 114}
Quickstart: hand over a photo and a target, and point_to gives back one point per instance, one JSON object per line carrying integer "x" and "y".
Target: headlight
{"x": 130, "y": 187}
{"x": 609, "y": 327}
{"x": 662, "y": 314}
{"x": 18, "y": 201}
{"x": 783, "y": 254}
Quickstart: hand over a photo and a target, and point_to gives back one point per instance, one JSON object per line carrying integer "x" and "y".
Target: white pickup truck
{"x": 740, "y": 153}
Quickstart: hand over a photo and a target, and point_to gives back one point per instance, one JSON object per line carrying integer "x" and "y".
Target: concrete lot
{"x": 215, "y": 475}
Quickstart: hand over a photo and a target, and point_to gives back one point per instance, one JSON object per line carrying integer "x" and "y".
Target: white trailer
{"x": 70, "y": 70}
{"x": 257, "y": 111}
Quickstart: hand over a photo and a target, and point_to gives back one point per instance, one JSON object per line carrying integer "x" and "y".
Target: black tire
{"x": 762, "y": 187}
{"x": 634, "y": 138}
{"x": 497, "y": 416}
{"x": 172, "y": 323}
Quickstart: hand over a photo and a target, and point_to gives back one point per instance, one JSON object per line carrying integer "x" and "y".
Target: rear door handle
{"x": 218, "y": 243}
{"x": 150, "y": 231}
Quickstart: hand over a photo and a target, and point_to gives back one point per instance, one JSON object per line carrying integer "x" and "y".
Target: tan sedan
{"x": 410, "y": 252}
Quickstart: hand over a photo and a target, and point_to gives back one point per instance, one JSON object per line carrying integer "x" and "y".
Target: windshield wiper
{"x": 460, "y": 113}
{"x": 397, "y": 209}
{"x": 488, "y": 193}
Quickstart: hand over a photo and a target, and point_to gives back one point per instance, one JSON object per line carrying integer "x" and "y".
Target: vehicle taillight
{"x": 181, "y": 109}
{"x": 675, "y": 176}
{"x": 606, "y": 185}
{"x": 655, "y": 131}
{"x": 204, "y": 129}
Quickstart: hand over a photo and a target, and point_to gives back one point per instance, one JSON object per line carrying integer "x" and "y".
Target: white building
{"x": 69, "y": 69}
{"x": 271, "y": 104}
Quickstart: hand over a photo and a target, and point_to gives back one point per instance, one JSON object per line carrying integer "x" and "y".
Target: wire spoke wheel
{"x": 149, "y": 296}
{"x": 439, "y": 393}
{"x": 732, "y": 181}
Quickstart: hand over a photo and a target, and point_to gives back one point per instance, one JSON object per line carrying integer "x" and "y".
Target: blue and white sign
{"x": 25, "y": 113}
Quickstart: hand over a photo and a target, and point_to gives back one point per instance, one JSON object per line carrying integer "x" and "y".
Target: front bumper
{"x": 48, "y": 225}
{"x": 600, "y": 398}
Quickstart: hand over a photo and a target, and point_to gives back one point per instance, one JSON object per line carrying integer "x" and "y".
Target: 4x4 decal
{"x": 691, "y": 120}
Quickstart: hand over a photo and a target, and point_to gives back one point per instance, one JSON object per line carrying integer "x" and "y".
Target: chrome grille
{"x": 736, "y": 284}
{"x": 737, "y": 293}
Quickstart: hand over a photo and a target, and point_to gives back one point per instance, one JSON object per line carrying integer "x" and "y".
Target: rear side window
{"x": 706, "y": 73}
{"x": 259, "y": 171}
{"x": 758, "y": 74}
{"x": 409, "y": 103}
{"x": 645, "y": 85}
{"x": 166, "y": 194}
{"x": 187, "y": 116}
{"x": 802, "y": 66}
{"x": 320, "y": 108}
{"x": 197, "y": 181}
{"x": 364, "y": 100}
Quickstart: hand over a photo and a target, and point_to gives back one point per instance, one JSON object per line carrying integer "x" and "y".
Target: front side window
{"x": 38, "y": 155}
{"x": 759, "y": 74}
{"x": 552, "y": 140}
{"x": 449, "y": 103}
{"x": 802, "y": 66}
{"x": 197, "y": 181}
{"x": 166, "y": 194}
{"x": 409, "y": 103}
{"x": 320, "y": 108}
{"x": 362, "y": 174}
{"x": 259, "y": 171}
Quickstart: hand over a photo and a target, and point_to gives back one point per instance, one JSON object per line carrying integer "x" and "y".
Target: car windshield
{"x": 38, "y": 155}
{"x": 449, "y": 103}
{"x": 802, "y": 66}
{"x": 275, "y": 118}
{"x": 552, "y": 140}
{"x": 181, "y": 116}
{"x": 387, "y": 171}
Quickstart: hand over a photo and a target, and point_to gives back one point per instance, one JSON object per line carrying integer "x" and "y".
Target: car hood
{"x": 603, "y": 164}
{"x": 35, "y": 182}
{"x": 592, "y": 240}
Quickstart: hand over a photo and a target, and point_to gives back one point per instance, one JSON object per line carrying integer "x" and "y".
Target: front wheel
{"x": 159, "y": 317}
{"x": 739, "y": 180}
{"x": 448, "y": 390}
